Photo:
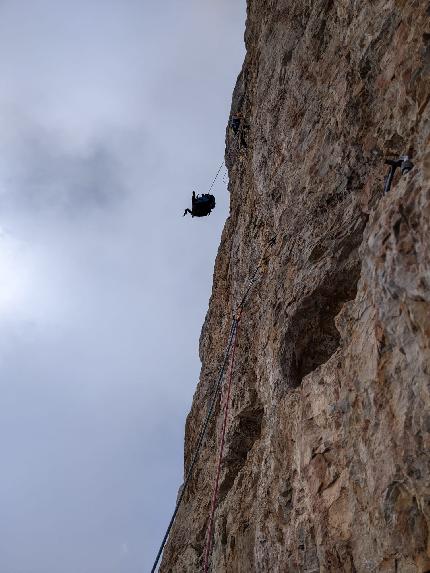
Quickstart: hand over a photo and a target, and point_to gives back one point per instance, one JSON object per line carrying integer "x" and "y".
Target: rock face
{"x": 327, "y": 460}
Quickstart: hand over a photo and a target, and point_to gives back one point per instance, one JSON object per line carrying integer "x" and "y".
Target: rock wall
{"x": 326, "y": 466}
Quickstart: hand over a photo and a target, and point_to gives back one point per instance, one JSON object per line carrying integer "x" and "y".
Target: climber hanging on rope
{"x": 201, "y": 206}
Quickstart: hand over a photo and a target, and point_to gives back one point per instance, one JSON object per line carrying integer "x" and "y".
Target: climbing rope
{"x": 198, "y": 445}
{"x": 208, "y": 548}
{"x": 217, "y": 386}
{"x": 216, "y": 177}
{"x": 220, "y": 167}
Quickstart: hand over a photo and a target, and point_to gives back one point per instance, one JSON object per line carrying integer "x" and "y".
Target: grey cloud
{"x": 44, "y": 172}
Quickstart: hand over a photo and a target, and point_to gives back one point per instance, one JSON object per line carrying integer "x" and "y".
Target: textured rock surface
{"x": 327, "y": 455}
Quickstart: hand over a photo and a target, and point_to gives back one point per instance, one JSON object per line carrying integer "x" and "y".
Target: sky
{"x": 111, "y": 113}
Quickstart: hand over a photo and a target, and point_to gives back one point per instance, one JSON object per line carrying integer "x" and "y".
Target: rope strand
{"x": 231, "y": 340}
{"x": 208, "y": 548}
{"x": 198, "y": 445}
{"x": 216, "y": 176}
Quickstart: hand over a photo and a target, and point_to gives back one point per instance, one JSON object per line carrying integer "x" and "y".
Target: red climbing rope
{"x": 208, "y": 547}
{"x": 213, "y": 400}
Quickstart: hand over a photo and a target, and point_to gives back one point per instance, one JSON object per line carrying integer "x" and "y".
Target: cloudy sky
{"x": 111, "y": 112}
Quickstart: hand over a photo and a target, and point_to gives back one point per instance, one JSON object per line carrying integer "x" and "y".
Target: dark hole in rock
{"x": 312, "y": 337}
{"x": 245, "y": 432}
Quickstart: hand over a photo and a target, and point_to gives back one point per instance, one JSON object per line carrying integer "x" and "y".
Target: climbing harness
{"x": 405, "y": 165}
{"x": 231, "y": 344}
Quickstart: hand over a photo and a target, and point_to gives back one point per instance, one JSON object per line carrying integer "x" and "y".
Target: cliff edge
{"x": 326, "y": 463}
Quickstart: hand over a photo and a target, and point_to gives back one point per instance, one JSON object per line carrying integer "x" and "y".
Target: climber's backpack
{"x": 203, "y": 205}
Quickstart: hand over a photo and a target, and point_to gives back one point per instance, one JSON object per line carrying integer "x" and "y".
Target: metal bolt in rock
{"x": 405, "y": 165}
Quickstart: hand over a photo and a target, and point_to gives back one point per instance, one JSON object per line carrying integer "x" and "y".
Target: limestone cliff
{"x": 327, "y": 455}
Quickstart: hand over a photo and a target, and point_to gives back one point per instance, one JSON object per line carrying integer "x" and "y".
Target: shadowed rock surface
{"x": 326, "y": 465}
